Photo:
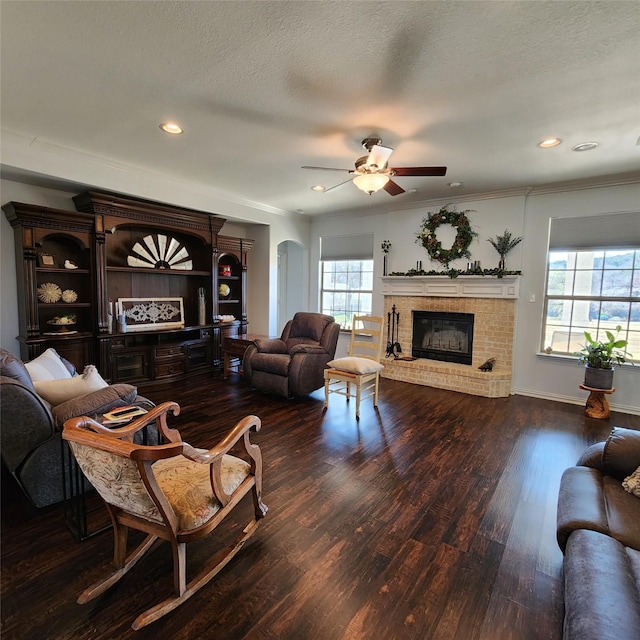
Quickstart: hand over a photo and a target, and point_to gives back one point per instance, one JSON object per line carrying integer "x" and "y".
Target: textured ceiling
{"x": 263, "y": 88}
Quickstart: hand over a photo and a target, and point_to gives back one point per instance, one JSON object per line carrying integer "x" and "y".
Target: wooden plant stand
{"x": 597, "y": 404}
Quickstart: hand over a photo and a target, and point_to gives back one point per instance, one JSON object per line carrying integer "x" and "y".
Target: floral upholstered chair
{"x": 172, "y": 491}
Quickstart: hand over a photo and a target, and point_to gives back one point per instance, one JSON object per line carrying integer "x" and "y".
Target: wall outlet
{"x": 532, "y": 297}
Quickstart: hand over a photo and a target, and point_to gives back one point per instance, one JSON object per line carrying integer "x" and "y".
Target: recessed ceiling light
{"x": 317, "y": 187}
{"x": 171, "y": 127}
{"x": 585, "y": 146}
{"x": 549, "y": 142}
{"x": 412, "y": 191}
{"x": 299, "y": 210}
{"x": 455, "y": 185}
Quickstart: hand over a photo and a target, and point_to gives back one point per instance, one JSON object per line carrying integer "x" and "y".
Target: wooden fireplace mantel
{"x": 506, "y": 288}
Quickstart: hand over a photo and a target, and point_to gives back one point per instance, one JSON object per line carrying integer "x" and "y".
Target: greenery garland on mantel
{"x": 454, "y": 273}
{"x": 460, "y": 222}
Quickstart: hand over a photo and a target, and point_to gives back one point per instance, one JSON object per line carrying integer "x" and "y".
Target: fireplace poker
{"x": 396, "y": 344}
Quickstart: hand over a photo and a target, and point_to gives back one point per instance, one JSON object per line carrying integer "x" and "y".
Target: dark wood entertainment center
{"x": 121, "y": 248}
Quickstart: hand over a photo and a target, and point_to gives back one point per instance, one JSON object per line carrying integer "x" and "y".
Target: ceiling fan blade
{"x": 379, "y": 156}
{"x": 337, "y": 185}
{"x": 393, "y": 188}
{"x": 419, "y": 171}
{"x": 328, "y": 169}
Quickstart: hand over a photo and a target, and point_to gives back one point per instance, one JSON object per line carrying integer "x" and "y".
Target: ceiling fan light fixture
{"x": 370, "y": 182}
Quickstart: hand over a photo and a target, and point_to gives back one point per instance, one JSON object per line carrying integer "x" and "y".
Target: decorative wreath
{"x": 459, "y": 221}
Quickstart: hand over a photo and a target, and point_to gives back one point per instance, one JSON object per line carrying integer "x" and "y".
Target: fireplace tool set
{"x": 393, "y": 323}
{"x": 393, "y": 327}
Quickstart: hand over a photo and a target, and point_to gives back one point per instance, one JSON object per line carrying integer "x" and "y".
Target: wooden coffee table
{"x": 233, "y": 348}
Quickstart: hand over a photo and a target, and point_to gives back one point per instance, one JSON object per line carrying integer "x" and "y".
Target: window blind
{"x": 352, "y": 247}
{"x": 620, "y": 230}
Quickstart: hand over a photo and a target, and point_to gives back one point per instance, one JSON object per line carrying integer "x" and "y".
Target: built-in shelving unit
{"x": 119, "y": 248}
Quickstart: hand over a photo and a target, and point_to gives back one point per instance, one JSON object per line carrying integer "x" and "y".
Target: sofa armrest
{"x": 270, "y": 345}
{"x": 26, "y": 421}
{"x": 581, "y": 504}
{"x": 621, "y": 455}
{"x": 95, "y": 402}
{"x": 600, "y": 589}
{"x": 308, "y": 349}
{"x": 592, "y": 457}
{"x": 306, "y": 372}
{"x": 618, "y": 456}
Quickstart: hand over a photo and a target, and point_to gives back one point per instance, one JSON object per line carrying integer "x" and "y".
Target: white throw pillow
{"x": 56, "y": 392}
{"x": 47, "y": 366}
{"x": 632, "y": 483}
{"x": 356, "y": 365}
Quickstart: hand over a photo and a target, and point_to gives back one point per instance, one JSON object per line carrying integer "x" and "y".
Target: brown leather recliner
{"x": 591, "y": 493}
{"x": 293, "y": 365}
{"x": 599, "y": 533}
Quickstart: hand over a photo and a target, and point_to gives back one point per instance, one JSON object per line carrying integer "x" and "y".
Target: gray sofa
{"x": 294, "y": 364}
{"x": 30, "y": 430}
{"x": 599, "y": 534}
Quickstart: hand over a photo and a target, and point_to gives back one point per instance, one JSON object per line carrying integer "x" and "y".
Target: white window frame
{"x": 577, "y": 316}
{"x": 348, "y": 310}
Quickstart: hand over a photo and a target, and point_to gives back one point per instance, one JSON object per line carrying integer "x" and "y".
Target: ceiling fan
{"x": 373, "y": 173}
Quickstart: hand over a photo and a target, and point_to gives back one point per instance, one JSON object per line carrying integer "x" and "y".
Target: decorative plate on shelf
{"x": 49, "y": 292}
{"x": 224, "y": 290}
{"x": 63, "y": 323}
{"x": 69, "y": 295}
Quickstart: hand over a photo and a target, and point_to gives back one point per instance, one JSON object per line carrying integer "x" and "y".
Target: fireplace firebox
{"x": 445, "y": 336}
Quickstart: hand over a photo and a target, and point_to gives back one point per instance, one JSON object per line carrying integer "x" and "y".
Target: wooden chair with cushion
{"x": 171, "y": 492}
{"x": 361, "y": 367}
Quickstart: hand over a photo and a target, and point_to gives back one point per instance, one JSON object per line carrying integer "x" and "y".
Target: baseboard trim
{"x": 635, "y": 411}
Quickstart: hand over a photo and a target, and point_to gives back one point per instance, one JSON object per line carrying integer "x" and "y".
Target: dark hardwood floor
{"x": 432, "y": 518}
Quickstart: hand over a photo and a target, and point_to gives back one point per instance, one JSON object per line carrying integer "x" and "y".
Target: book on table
{"x": 122, "y": 414}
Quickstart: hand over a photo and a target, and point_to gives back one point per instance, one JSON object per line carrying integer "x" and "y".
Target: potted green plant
{"x": 599, "y": 357}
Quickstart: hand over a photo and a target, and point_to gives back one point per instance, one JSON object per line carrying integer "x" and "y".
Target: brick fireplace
{"x": 492, "y": 301}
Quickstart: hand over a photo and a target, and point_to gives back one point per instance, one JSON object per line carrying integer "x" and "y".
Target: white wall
{"x": 292, "y": 285}
{"x": 262, "y": 304}
{"x": 546, "y": 376}
{"x": 527, "y": 215}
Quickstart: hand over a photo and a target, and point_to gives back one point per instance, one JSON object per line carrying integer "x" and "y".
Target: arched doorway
{"x": 292, "y": 290}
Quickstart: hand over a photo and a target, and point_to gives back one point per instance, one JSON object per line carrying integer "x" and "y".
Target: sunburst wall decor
{"x": 160, "y": 252}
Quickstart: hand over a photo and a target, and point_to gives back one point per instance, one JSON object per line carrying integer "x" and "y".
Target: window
{"x": 592, "y": 290}
{"x": 346, "y": 289}
{"x": 346, "y": 267}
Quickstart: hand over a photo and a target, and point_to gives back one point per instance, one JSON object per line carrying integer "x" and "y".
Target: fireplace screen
{"x": 443, "y": 336}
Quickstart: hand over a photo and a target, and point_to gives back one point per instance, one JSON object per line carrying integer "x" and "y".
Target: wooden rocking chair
{"x": 172, "y": 492}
